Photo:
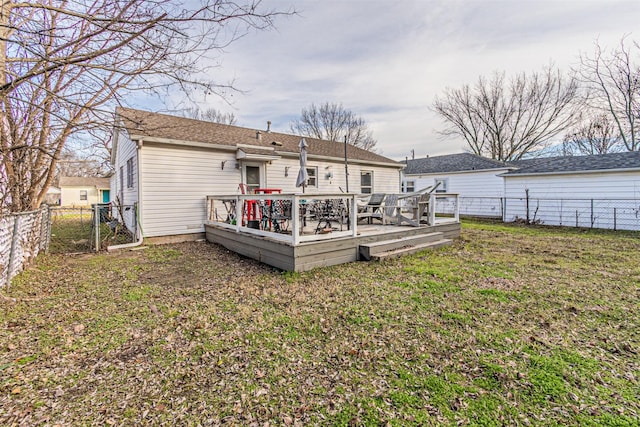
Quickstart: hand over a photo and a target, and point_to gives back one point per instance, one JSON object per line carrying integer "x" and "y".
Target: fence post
{"x": 560, "y": 211}
{"x": 45, "y": 216}
{"x": 576, "y": 218}
{"x": 12, "y": 251}
{"x": 614, "y": 219}
{"x": 526, "y": 192}
{"x": 96, "y": 225}
{"x": 592, "y": 217}
{"x": 504, "y": 208}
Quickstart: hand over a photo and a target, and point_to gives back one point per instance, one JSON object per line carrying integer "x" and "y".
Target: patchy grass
{"x": 510, "y": 325}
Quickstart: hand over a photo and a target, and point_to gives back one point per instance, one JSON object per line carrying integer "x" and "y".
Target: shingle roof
{"x": 145, "y": 123}
{"x": 564, "y": 164}
{"x": 451, "y": 163}
{"x": 81, "y": 181}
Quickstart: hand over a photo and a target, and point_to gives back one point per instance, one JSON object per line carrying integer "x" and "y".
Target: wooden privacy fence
{"x": 22, "y": 237}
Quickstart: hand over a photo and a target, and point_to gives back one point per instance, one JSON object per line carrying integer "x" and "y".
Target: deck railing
{"x": 297, "y": 218}
{"x": 447, "y": 208}
{"x": 290, "y": 218}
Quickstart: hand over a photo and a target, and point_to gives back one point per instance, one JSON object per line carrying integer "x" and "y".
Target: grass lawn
{"x": 509, "y": 326}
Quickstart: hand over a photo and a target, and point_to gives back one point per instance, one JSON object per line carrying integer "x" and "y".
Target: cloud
{"x": 386, "y": 61}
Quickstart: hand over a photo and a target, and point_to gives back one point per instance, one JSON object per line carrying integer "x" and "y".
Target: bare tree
{"x": 70, "y": 163}
{"x": 598, "y": 134}
{"x": 505, "y": 119}
{"x": 210, "y": 115}
{"x": 333, "y": 122}
{"x": 613, "y": 81}
{"x": 64, "y": 66}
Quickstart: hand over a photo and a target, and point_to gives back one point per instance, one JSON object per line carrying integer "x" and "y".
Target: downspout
{"x": 138, "y": 208}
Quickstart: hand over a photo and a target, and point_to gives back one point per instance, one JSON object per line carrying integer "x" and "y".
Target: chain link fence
{"x": 71, "y": 229}
{"x": 612, "y": 214}
{"x": 22, "y": 237}
{"x": 87, "y": 229}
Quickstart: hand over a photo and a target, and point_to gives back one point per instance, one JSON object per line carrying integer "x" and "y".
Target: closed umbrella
{"x": 301, "y": 181}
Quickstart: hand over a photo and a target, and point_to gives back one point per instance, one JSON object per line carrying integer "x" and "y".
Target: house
{"x": 83, "y": 191}
{"x": 475, "y": 178}
{"x": 600, "y": 191}
{"x": 165, "y": 167}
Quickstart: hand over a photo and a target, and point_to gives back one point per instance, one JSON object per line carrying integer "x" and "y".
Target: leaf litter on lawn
{"x": 509, "y": 325}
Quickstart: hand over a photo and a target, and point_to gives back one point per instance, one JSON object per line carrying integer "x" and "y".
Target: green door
{"x": 105, "y": 196}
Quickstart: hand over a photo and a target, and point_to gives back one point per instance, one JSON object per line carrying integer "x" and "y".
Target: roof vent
{"x": 259, "y": 136}
{"x": 277, "y": 143}
{"x": 269, "y": 126}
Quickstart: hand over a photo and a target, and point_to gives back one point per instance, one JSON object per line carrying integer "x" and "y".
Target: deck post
{"x": 432, "y": 209}
{"x": 456, "y": 211}
{"x": 239, "y": 218}
{"x": 295, "y": 219}
{"x": 354, "y": 216}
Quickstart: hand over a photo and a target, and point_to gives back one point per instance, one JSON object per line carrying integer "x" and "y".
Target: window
{"x": 409, "y": 186}
{"x": 366, "y": 182}
{"x": 130, "y": 173}
{"x": 83, "y": 194}
{"x": 313, "y": 177}
{"x": 444, "y": 185}
{"x": 121, "y": 184}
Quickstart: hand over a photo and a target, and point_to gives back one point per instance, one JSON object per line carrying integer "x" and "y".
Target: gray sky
{"x": 386, "y": 60}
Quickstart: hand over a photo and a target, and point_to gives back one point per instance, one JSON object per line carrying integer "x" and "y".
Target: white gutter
{"x": 575, "y": 172}
{"x": 341, "y": 160}
{"x": 239, "y": 146}
{"x": 184, "y": 143}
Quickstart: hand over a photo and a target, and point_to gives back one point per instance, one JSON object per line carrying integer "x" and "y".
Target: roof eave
{"x": 461, "y": 171}
{"x": 341, "y": 160}
{"x": 589, "y": 171}
{"x": 182, "y": 143}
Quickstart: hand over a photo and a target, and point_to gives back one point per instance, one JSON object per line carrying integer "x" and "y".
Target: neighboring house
{"x": 476, "y": 179}
{"x": 601, "y": 191}
{"x": 165, "y": 166}
{"x": 83, "y": 191}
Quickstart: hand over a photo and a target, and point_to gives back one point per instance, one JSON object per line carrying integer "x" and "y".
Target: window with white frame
{"x": 409, "y": 186}
{"x": 444, "y": 185}
{"x": 83, "y": 194}
{"x": 366, "y": 182}
{"x": 121, "y": 184}
{"x": 130, "y": 173}
{"x": 313, "y": 177}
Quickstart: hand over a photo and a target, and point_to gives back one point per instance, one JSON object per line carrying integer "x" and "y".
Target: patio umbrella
{"x": 302, "y": 174}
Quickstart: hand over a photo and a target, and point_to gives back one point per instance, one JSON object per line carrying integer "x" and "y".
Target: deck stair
{"x": 392, "y": 248}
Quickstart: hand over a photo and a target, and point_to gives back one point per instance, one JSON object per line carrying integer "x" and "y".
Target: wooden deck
{"x": 329, "y": 251}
